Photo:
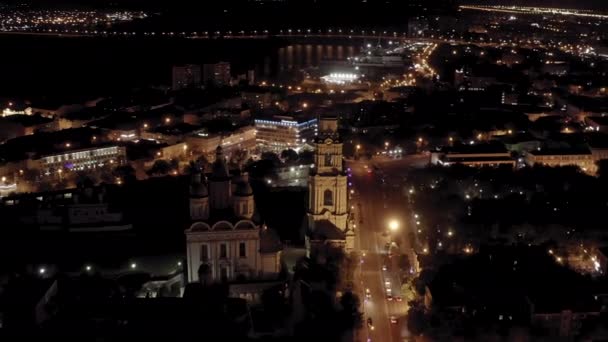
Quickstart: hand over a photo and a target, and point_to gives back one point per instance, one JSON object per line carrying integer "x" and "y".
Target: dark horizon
{"x": 165, "y": 4}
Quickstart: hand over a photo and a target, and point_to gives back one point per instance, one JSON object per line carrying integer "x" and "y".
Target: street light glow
{"x": 393, "y": 225}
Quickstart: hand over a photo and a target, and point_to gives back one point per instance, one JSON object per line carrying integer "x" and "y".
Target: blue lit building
{"x": 284, "y": 132}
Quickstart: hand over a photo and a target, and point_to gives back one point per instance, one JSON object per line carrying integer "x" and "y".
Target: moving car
{"x": 389, "y": 298}
{"x": 370, "y": 324}
{"x": 398, "y": 298}
{"x": 393, "y": 320}
{"x": 368, "y": 293}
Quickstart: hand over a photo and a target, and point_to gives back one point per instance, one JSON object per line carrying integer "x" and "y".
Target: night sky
{"x": 598, "y": 4}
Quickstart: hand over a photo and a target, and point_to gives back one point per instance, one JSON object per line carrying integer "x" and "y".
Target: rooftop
{"x": 477, "y": 148}
{"x": 558, "y": 151}
{"x": 325, "y": 230}
{"x": 28, "y": 120}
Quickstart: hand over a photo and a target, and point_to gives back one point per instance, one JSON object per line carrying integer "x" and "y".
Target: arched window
{"x": 328, "y": 159}
{"x": 328, "y": 197}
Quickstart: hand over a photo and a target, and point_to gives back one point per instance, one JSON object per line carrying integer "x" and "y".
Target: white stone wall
{"x": 338, "y": 212}
{"x": 250, "y": 265}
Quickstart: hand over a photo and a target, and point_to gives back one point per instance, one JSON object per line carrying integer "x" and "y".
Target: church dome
{"x": 198, "y": 188}
{"x": 219, "y": 170}
{"x": 243, "y": 187}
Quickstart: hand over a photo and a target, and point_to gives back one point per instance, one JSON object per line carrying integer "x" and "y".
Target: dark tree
{"x": 159, "y": 168}
{"x": 272, "y": 157}
{"x": 238, "y": 158}
{"x": 202, "y": 161}
{"x": 289, "y": 156}
{"x": 352, "y": 317}
{"x": 306, "y": 157}
{"x": 174, "y": 163}
{"x": 602, "y": 169}
{"x": 416, "y": 321}
{"x": 125, "y": 172}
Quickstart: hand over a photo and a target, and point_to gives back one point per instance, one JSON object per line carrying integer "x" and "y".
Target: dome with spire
{"x": 219, "y": 170}
{"x": 198, "y": 186}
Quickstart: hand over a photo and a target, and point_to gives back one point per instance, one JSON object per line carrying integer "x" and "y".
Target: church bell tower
{"x": 328, "y": 190}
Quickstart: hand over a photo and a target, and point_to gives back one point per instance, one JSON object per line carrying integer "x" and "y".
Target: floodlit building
{"x": 284, "y": 132}
{"x": 476, "y": 154}
{"x": 581, "y": 157}
{"x": 242, "y": 139}
{"x": 328, "y": 217}
{"x": 84, "y": 158}
{"x": 226, "y": 241}
{"x": 340, "y": 78}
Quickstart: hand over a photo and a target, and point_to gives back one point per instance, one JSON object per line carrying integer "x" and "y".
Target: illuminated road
{"x": 374, "y": 205}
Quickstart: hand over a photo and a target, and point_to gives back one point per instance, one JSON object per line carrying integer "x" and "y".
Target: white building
{"x": 205, "y": 143}
{"x": 225, "y": 242}
{"x": 284, "y": 132}
{"x": 329, "y": 220}
{"x": 84, "y": 158}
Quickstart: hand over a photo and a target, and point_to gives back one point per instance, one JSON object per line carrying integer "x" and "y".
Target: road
{"x": 374, "y": 206}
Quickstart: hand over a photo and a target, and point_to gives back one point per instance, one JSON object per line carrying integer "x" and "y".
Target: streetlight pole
{"x": 393, "y": 226}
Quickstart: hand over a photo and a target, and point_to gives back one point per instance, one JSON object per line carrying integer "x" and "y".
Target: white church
{"x": 225, "y": 241}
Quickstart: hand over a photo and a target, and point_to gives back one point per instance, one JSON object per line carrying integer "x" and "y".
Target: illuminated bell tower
{"x": 328, "y": 198}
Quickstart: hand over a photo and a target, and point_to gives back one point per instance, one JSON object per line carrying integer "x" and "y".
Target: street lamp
{"x": 393, "y": 225}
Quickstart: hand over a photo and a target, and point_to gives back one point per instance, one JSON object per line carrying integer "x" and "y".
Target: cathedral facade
{"x": 226, "y": 241}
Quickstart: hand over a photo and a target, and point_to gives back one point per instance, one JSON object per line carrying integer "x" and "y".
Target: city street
{"x": 375, "y": 206}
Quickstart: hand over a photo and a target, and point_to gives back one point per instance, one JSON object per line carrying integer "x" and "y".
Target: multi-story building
{"x": 226, "y": 242}
{"x": 85, "y": 209}
{"x": 261, "y": 97}
{"x": 217, "y": 73}
{"x": 581, "y": 157}
{"x": 83, "y": 158}
{"x": 205, "y": 143}
{"x": 285, "y": 132}
{"x": 186, "y": 76}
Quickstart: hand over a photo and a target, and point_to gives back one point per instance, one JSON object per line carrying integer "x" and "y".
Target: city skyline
{"x": 304, "y": 170}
